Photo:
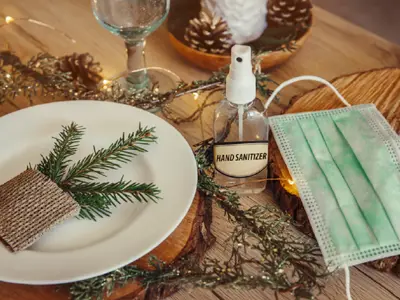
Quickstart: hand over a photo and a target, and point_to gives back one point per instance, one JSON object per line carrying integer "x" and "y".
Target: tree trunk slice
{"x": 186, "y": 239}
{"x": 381, "y": 87}
{"x": 189, "y": 238}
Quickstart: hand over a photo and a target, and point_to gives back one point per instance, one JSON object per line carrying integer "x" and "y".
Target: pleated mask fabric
{"x": 346, "y": 165}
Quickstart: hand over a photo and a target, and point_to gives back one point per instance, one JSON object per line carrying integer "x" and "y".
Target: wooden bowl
{"x": 184, "y": 10}
{"x": 213, "y": 62}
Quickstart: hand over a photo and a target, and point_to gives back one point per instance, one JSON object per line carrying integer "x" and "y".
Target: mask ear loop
{"x": 341, "y": 98}
{"x": 301, "y": 78}
{"x": 347, "y": 281}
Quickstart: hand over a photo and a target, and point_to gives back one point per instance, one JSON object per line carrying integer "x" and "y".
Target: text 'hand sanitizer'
{"x": 241, "y": 129}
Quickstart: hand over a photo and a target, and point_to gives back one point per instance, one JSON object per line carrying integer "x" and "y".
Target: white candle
{"x": 246, "y": 19}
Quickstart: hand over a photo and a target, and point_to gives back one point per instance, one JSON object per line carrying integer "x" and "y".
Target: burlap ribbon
{"x": 30, "y": 205}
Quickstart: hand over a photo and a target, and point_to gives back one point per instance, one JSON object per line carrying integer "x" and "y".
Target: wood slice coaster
{"x": 187, "y": 239}
{"x": 381, "y": 87}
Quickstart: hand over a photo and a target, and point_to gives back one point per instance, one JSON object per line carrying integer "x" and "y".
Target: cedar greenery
{"x": 283, "y": 262}
{"x": 282, "y": 259}
{"x": 42, "y": 76}
{"x": 55, "y": 164}
{"x": 95, "y": 198}
{"x": 121, "y": 151}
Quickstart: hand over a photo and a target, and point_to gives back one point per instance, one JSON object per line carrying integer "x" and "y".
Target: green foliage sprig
{"x": 95, "y": 198}
{"x": 263, "y": 239}
{"x": 55, "y": 164}
{"x": 42, "y": 76}
{"x": 121, "y": 151}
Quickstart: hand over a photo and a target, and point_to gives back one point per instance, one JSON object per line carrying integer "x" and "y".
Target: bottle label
{"x": 241, "y": 159}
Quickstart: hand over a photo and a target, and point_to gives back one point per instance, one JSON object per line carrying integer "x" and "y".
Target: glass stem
{"x": 136, "y": 64}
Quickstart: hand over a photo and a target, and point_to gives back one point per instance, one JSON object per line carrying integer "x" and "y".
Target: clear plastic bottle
{"x": 241, "y": 130}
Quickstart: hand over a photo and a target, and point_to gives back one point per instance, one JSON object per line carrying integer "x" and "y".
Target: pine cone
{"x": 246, "y": 19}
{"x": 208, "y": 34}
{"x": 288, "y": 12}
{"x": 82, "y": 68}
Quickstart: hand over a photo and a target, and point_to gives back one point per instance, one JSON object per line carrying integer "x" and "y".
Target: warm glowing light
{"x": 105, "y": 84}
{"x": 195, "y": 95}
{"x": 9, "y": 19}
{"x": 290, "y": 181}
{"x": 8, "y": 76}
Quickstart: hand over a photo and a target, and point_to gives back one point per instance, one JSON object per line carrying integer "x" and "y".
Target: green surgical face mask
{"x": 346, "y": 165}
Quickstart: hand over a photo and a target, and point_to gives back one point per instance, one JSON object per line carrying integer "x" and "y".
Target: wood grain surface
{"x": 334, "y": 48}
{"x": 183, "y": 240}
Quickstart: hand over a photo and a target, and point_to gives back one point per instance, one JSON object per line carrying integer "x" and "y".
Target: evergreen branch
{"x": 283, "y": 261}
{"x": 98, "y": 287}
{"x": 92, "y": 206}
{"x": 55, "y": 164}
{"x": 95, "y": 199}
{"x": 207, "y": 185}
{"x": 121, "y": 151}
{"x": 262, "y": 83}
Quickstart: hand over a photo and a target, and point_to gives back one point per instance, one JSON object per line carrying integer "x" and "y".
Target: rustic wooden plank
{"x": 194, "y": 294}
{"x": 336, "y": 47}
{"x": 362, "y": 287}
{"x": 376, "y": 285}
{"x": 388, "y": 280}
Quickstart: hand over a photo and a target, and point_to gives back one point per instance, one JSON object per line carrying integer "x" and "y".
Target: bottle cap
{"x": 241, "y": 82}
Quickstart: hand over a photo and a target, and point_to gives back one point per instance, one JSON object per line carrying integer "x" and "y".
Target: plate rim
{"x": 132, "y": 258}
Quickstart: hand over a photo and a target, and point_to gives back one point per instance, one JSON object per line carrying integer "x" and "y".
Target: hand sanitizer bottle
{"x": 241, "y": 129}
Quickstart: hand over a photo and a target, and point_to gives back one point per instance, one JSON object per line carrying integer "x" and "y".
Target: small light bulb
{"x": 9, "y": 19}
{"x": 290, "y": 181}
{"x": 195, "y": 95}
{"x": 105, "y": 81}
{"x": 8, "y": 76}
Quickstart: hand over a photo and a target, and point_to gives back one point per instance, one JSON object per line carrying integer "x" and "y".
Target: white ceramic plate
{"x": 80, "y": 249}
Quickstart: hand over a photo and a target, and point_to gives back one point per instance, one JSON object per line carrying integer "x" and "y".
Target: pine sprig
{"x": 282, "y": 260}
{"x": 66, "y": 144}
{"x": 207, "y": 185}
{"x": 95, "y": 198}
{"x": 121, "y": 151}
{"x": 98, "y": 287}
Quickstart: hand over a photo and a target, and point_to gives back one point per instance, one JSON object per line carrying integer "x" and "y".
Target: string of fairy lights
{"x": 8, "y": 20}
{"x": 106, "y": 83}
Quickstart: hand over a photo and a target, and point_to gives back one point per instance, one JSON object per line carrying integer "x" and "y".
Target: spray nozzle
{"x": 241, "y": 82}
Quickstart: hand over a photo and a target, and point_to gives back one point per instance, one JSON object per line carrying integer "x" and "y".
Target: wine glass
{"x": 134, "y": 20}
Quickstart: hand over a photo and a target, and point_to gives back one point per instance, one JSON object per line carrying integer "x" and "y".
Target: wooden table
{"x": 336, "y": 47}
